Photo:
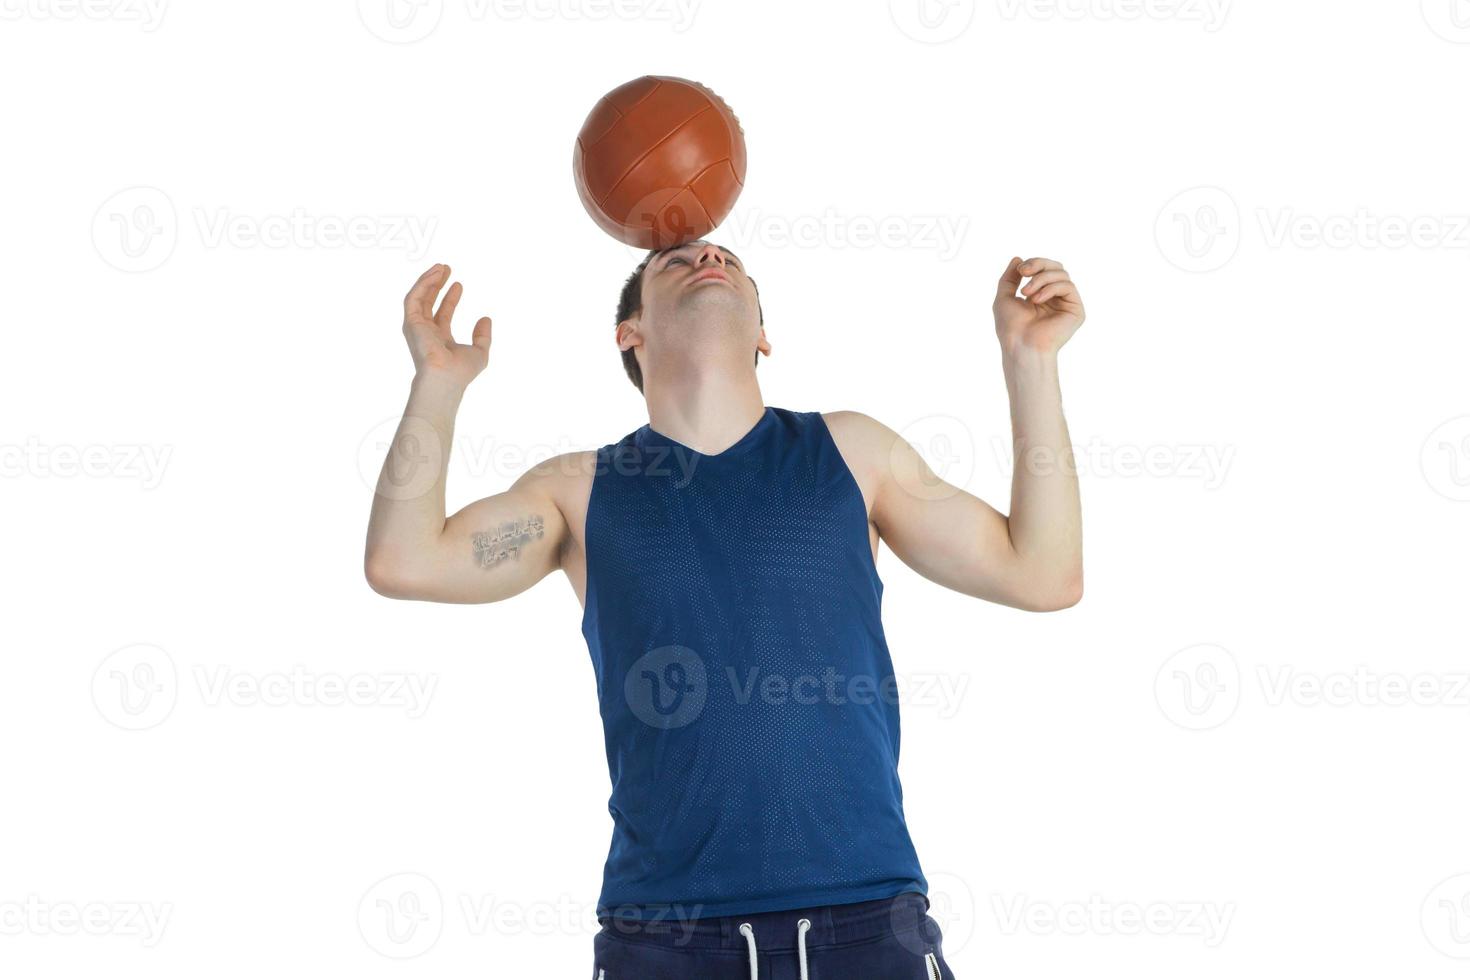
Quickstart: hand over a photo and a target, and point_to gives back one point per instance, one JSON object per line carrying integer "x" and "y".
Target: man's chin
{"x": 707, "y": 299}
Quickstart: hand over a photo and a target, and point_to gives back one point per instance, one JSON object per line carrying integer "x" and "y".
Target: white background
{"x": 1263, "y": 203}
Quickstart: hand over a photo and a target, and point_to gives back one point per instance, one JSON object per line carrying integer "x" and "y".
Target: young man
{"x": 724, "y": 554}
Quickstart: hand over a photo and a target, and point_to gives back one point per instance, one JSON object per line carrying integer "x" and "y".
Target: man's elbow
{"x": 388, "y": 578}
{"x": 1055, "y": 596}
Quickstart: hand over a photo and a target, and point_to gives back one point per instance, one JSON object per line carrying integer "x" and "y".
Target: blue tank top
{"x": 748, "y": 701}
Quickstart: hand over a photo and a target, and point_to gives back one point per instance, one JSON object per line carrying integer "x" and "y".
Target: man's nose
{"x": 710, "y": 253}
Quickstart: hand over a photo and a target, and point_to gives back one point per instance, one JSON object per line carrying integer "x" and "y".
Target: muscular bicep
{"x": 943, "y": 532}
{"x": 493, "y": 549}
{"x": 502, "y": 545}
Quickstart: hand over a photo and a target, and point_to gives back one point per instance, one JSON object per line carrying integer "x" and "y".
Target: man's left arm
{"x": 1031, "y": 558}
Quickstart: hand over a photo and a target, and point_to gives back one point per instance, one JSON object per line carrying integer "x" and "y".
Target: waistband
{"x": 831, "y": 925}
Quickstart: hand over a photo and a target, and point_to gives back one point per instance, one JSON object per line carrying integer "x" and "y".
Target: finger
{"x": 420, "y": 299}
{"x": 481, "y": 337}
{"x": 1033, "y": 266}
{"x": 1057, "y": 290}
{"x": 1010, "y": 280}
{"x": 446, "y": 308}
{"x": 1044, "y": 279}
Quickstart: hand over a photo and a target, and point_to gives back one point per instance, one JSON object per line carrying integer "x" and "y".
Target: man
{"x": 725, "y": 556}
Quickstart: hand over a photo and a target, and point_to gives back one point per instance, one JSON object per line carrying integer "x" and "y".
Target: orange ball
{"x": 659, "y": 161}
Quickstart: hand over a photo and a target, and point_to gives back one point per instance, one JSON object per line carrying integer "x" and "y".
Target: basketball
{"x": 659, "y": 161}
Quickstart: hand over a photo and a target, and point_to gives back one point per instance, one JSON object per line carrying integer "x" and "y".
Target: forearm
{"x": 408, "y": 510}
{"x": 1045, "y": 522}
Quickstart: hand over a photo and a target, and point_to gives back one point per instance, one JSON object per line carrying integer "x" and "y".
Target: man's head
{"x": 689, "y": 307}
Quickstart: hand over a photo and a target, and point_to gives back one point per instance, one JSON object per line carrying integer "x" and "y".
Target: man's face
{"x": 698, "y": 294}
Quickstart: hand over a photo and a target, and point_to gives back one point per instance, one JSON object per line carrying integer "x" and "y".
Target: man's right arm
{"x": 495, "y": 547}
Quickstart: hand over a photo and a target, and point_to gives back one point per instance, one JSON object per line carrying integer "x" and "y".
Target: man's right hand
{"x": 496, "y": 547}
{"x": 435, "y": 353}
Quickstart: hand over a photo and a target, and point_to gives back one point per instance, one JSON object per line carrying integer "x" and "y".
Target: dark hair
{"x": 630, "y": 303}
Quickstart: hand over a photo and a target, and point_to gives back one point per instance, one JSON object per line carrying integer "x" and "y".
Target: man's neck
{"x": 708, "y": 414}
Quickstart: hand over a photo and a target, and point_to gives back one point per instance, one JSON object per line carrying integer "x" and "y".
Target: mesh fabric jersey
{"x": 746, "y": 691}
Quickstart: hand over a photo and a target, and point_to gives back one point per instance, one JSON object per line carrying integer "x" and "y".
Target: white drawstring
{"x": 801, "y": 927}
{"x": 749, "y": 934}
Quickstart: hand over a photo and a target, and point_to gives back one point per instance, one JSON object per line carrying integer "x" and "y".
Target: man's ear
{"x": 627, "y": 336}
{"x": 763, "y": 345}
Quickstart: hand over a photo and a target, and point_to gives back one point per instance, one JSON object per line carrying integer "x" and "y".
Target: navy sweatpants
{"x": 889, "y": 939}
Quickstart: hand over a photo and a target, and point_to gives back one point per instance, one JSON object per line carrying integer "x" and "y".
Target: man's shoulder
{"x": 859, "y": 429}
{"x": 567, "y": 472}
{"x": 864, "y": 442}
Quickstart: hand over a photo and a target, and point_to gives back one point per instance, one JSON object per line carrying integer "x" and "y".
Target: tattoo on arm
{"x": 505, "y": 542}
